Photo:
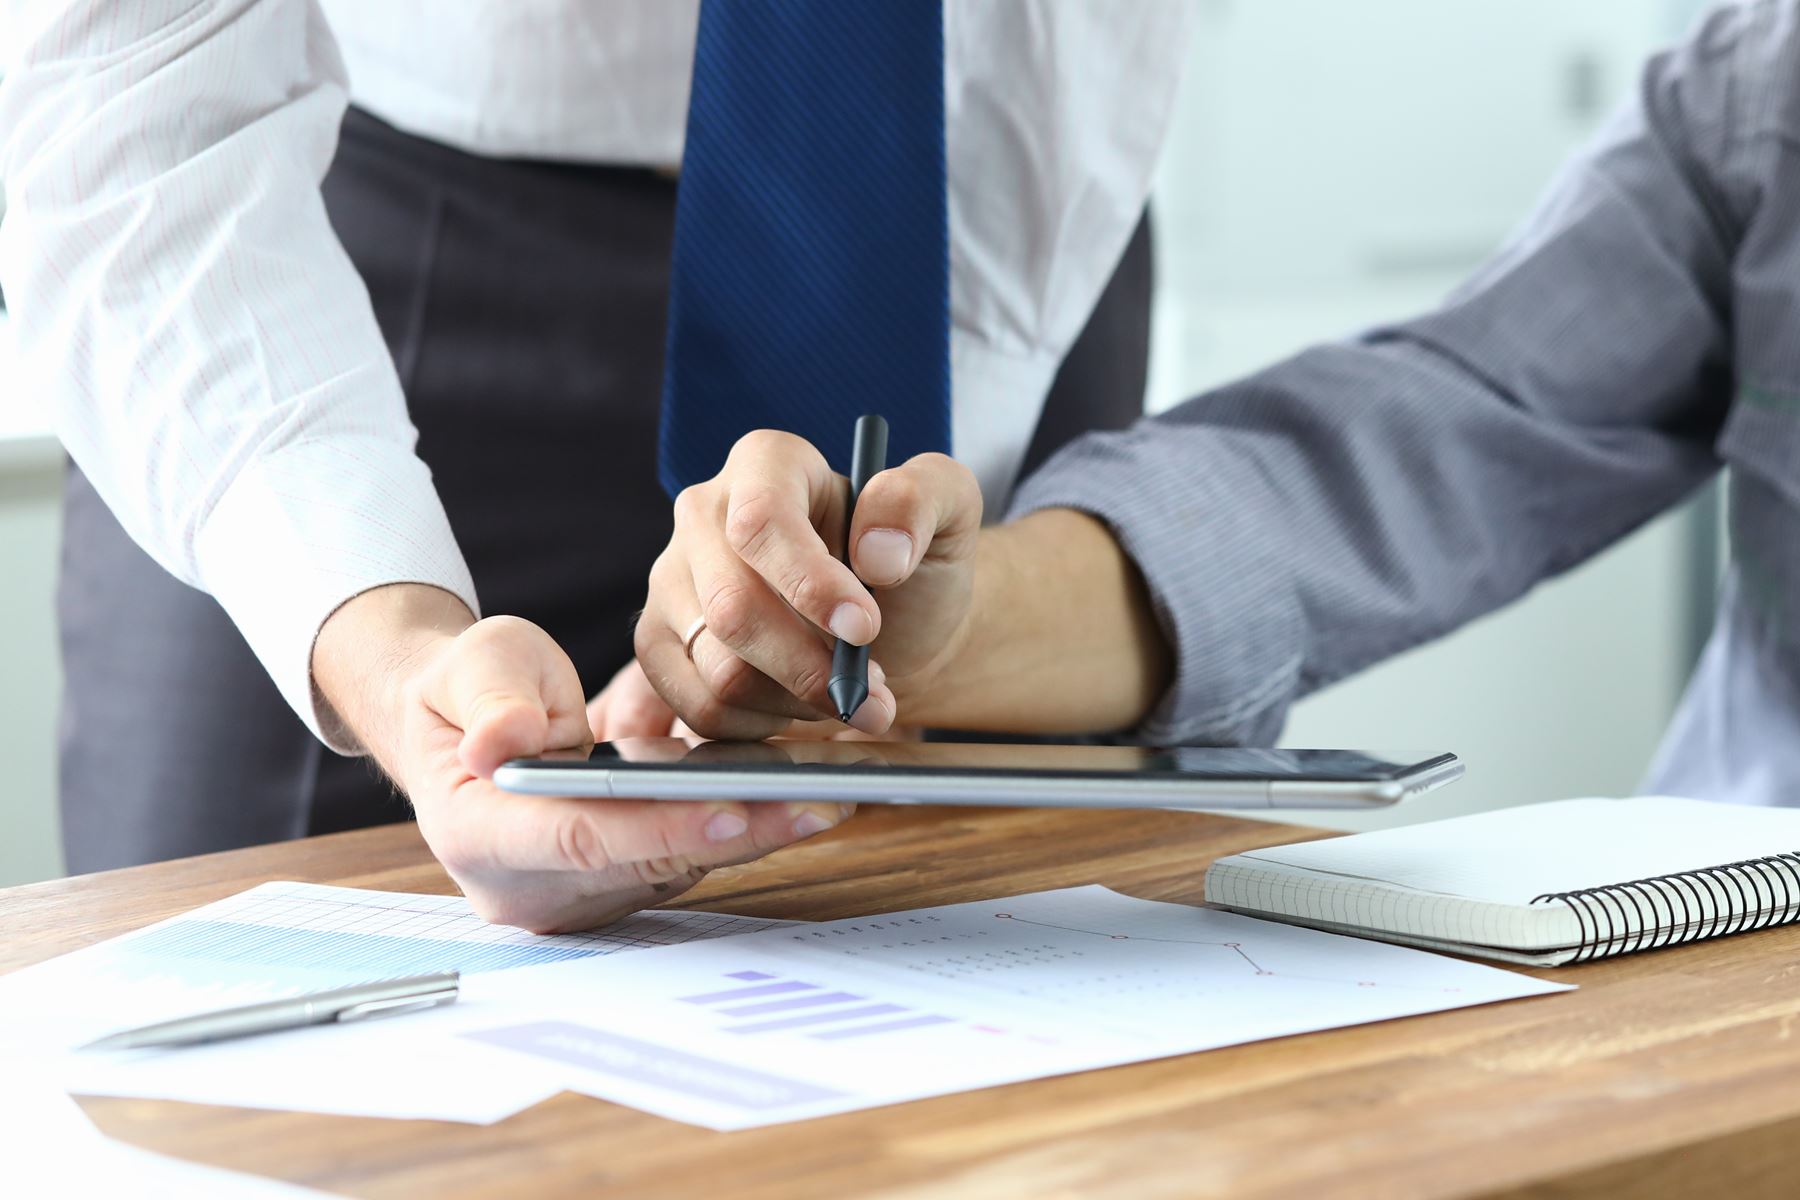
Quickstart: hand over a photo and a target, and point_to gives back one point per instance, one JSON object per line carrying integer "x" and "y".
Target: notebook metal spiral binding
{"x": 1687, "y": 906}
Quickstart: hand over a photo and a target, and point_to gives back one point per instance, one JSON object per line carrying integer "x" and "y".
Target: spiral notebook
{"x": 1541, "y": 884}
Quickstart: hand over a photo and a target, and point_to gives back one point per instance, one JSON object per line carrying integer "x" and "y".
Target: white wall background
{"x": 30, "y": 525}
{"x": 1334, "y": 165}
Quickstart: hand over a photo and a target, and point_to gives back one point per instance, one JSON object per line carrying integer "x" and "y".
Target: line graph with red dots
{"x": 1063, "y": 948}
{"x": 1237, "y": 948}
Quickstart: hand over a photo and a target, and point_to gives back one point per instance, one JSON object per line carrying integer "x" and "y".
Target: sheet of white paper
{"x": 53, "y": 1152}
{"x": 852, "y": 1014}
{"x": 283, "y": 939}
{"x": 351, "y": 1070}
{"x": 1510, "y": 855}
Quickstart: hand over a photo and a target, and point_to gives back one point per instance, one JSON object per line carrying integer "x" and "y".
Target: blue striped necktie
{"x": 810, "y": 280}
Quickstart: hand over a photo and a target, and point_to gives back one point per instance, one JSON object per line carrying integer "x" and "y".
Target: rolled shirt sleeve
{"x": 183, "y": 307}
{"x": 1367, "y": 496}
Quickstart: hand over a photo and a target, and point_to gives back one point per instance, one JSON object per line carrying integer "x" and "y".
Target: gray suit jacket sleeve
{"x": 1364, "y": 497}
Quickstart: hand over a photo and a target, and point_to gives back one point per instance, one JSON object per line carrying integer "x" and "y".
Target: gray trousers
{"x": 523, "y": 304}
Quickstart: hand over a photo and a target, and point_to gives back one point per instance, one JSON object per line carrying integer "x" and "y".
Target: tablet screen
{"x": 962, "y": 758}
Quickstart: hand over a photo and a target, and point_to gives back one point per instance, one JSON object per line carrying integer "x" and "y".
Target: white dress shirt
{"x": 210, "y": 354}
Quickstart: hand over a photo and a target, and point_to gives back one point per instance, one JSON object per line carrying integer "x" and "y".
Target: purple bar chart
{"x": 762, "y": 1003}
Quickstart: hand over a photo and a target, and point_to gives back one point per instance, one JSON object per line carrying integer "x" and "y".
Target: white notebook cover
{"x": 1471, "y": 881}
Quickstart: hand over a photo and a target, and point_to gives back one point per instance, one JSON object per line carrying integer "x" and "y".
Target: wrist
{"x": 959, "y": 689}
{"x": 369, "y": 650}
{"x": 920, "y": 695}
{"x": 1059, "y": 637}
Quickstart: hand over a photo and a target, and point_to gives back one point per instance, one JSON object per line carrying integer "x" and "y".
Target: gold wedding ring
{"x": 691, "y": 636}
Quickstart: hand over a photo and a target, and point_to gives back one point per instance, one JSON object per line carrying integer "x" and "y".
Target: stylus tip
{"x": 847, "y": 695}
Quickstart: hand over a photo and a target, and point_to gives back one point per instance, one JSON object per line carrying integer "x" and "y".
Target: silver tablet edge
{"x": 983, "y": 790}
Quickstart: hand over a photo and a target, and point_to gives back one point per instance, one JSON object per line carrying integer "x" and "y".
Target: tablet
{"x": 1031, "y": 774}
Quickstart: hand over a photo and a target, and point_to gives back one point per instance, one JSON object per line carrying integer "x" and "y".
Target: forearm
{"x": 1361, "y": 498}
{"x": 368, "y": 651}
{"x": 1060, "y": 636}
{"x": 207, "y": 348}
{"x": 173, "y": 278}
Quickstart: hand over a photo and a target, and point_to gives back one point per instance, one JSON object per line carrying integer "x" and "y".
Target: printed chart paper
{"x": 284, "y": 939}
{"x": 845, "y": 1015}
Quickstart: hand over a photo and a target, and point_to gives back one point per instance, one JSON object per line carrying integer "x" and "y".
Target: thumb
{"x": 503, "y": 724}
{"x": 512, "y": 692}
{"x": 927, "y": 508}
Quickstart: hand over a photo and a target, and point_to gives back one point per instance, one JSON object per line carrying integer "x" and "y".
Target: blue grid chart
{"x": 228, "y": 941}
{"x": 313, "y": 927}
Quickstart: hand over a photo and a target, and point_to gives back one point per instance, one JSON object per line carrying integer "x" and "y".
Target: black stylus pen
{"x": 849, "y": 684}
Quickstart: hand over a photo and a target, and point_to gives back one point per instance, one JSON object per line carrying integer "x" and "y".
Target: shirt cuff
{"x": 1224, "y": 601}
{"x": 997, "y": 395}
{"x": 307, "y": 526}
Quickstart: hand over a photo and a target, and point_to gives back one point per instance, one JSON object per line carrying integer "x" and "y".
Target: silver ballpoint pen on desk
{"x": 319, "y": 1008}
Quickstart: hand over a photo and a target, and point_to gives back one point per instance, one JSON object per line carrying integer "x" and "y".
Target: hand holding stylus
{"x": 747, "y": 600}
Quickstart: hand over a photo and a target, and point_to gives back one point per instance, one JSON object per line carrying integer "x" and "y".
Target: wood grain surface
{"x": 1675, "y": 1073}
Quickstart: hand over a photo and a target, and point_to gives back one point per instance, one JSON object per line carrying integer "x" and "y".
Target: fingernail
{"x": 876, "y": 674}
{"x": 725, "y": 826}
{"x": 809, "y": 824}
{"x": 882, "y": 555}
{"x": 850, "y": 622}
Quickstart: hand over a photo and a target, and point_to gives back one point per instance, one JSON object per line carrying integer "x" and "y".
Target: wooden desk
{"x": 1668, "y": 1074}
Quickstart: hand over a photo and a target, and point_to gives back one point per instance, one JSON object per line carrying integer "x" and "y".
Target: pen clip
{"x": 395, "y": 1005}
